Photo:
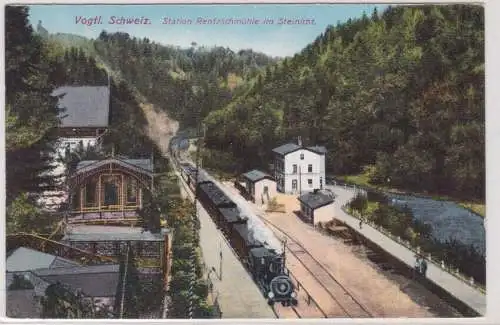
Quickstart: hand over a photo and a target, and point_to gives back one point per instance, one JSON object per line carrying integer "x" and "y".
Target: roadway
{"x": 456, "y": 287}
{"x": 342, "y": 284}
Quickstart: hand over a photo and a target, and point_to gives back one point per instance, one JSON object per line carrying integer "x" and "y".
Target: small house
{"x": 317, "y": 206}
{"x": 30, "y": 273}
{"x": 259, "y": 186}
{"x": 84, "y": 116}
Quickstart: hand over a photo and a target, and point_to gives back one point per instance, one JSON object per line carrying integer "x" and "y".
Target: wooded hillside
{"x": 401, "y": 91}
{"x": 184, "y": 82}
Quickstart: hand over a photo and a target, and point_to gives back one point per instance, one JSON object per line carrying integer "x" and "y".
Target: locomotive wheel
{"x": 281, "y": 285}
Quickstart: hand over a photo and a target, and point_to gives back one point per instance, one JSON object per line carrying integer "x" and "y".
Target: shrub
{"x": 359, "y": 203}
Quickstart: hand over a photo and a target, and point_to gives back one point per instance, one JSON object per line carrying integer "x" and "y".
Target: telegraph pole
{"x": 194, "y": 218}
{"x": 284, "y": 256}
{"x": 153, "y": 165}
{"x": 220, "y": 261}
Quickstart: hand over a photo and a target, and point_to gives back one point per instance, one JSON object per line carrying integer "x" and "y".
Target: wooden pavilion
{"x": 108, "y": 189}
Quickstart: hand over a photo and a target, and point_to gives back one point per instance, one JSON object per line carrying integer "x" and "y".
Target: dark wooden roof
{"x": 84, "y": 106}
{"x": 232, "y": 215}
{"x": 292, "y": 147}
{"x": 24, "y": 259}
{"x": 218, "y": 197}
{"x": 317, "y": 149}
{"x": 286, "y": 148}
{"x": 247, "y": 236}
{"x": 256, "y": 175}
{"x": 93, "y": 281}
{"x": 140, "y": 165}
{"x": 315, "y": 200}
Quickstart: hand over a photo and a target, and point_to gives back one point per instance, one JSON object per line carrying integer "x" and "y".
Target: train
{"x": 266, "y": 266}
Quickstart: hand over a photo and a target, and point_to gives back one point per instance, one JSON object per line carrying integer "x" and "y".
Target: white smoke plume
{"x": 256, "y": 227}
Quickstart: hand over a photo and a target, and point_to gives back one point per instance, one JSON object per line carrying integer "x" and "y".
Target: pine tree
{"x": 31, "y": 111}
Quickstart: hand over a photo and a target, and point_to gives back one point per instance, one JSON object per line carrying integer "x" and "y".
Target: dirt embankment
{"x": 161, "y": 128}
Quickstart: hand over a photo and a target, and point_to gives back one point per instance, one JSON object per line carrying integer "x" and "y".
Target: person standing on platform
{"x": 417, "y": 266}
{"x": 423, "y": 267}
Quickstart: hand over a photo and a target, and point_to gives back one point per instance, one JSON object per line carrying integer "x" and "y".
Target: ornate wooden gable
{"x": 108, "y": 189}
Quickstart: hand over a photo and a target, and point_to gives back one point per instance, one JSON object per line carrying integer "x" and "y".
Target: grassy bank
{"x": 363, "y": 179}
{"x": 375, "y": 209}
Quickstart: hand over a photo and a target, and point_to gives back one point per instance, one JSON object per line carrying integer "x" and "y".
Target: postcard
{"x": 245, "y": 161}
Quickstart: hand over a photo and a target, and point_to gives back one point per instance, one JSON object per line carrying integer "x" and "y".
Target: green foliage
{"x": 31, "y": 112}
{"x": 74, "y": 67}
{"x": 132, "y": 288}
{"x": 400, "y": 222}
{"x": 71, "y": 158}
{"x": 34, "y": 67}
{"x": 359, "y": 203}
{"x": 220, "y": 161}
{"x": 23, "y": 215}
{"x": 60, "y": 302}
{"x": 181, "y": 221}
{"x": 185, "y": 80}
{"x": 151, "y": 294}
{"x": 402, "y": 91}
{"x": 273, "y": 204}
{"x": 152, "y": 211}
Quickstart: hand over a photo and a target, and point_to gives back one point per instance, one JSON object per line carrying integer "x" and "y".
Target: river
{"x": 448, "y": 219}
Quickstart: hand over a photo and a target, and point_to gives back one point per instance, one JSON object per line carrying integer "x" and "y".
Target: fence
{"x": 213, "y": 297}
{"x": 416, "y": 250}
{"x": 310, "y": 299}
{"x": 405, "y": 193}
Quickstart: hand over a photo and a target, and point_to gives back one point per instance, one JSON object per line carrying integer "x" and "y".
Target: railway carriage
{"x": 214, "y": 200}
{"x": 230, "y": 217}
{"x": 243, "y": 241}
{"x": 266, "y": 266}
{"x": 186, "y": 171}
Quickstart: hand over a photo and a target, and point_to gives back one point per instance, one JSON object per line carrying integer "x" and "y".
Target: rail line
{"x": 308, "y": 307}
{"x": 350, "y": 306}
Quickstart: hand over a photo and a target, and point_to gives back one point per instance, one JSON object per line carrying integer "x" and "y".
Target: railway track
{"x": 307, "y": 307}
{"x": 348, "y": 304}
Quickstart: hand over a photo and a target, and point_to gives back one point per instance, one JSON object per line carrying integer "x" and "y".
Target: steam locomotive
{"x": 266, "y": 266}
